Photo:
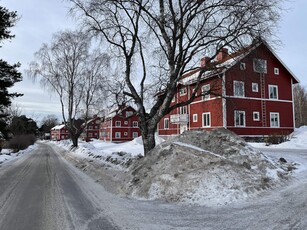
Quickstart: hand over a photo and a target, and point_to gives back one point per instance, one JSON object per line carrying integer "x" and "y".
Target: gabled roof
{"x": 118, "y": 111}
{"x": 228, "y": 62}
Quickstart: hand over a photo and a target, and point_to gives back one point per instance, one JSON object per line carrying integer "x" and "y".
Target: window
{"x": 195, "y": 117}
{"x": 206, "y": 119}
{"x": 242, "y": 66}
{"x": 117, "y": 135}
{"x": 276, "y": 71}
{"x": 238, "y": 88}
{"x": 118, "y": 124}
{"x": 256, "y": 116}
{"x": 183, "y": 91}
{"x": 239, "y": 118}
{"x": 273, "y": 92}
{"x": 183, "y": 110}
{"x": 125, "y": 134}
{"x": 166, "y": 123}
{"x": 205, "y": 90}
{"x": 129, "y": 113}
{"x": 260, "y": 65}
{"x": 274, "y": 120}
{"x": 135, "y": 124}
{"x": 135, "y": 134}
{"x": 126, "y": 122}
{"x": 255, "y": 87}
{"x": 90, "y": 127}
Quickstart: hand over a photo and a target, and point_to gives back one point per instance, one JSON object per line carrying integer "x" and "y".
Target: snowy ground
{"x": 222, "y": 173}
{"x": 7, "y": 155}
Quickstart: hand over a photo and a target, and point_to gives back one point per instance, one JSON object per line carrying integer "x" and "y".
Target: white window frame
{"x": 242, "y": 66}
{"x": 126, "y": 122}
{"x": 276, "y": 71}
{"x": 195, "y": 117}
{"x": 236, "y": 86}
{"x": 166, "y": 123}
{"x": 183, "y": 109}
{"x": 129, "y": 113}
{"x": 183, "y": 91}
{"x": 135, "y": 134}
{"x": 118, "y": 123}
{"x": 274, "y": 115}
{"x": 239, "y": 113}
{"x": 117, "y": 135}
{"x": 135, "y": 124}
{"x": 206, "y": 118}
{"x": 256, "y": 116}
{"x": 125, "y": 134}
{"x": 255, "y": 87}
{"x": 204, "y": 89}
{"x": 271, "y": 87}
{"x": 260, "y": 65}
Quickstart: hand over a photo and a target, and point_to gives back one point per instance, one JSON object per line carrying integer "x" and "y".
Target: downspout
{"x": 224, "y": 109}
{"x": 111, "y": 130}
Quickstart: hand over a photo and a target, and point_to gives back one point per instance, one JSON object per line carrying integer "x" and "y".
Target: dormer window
{"x": 276, "y": 71}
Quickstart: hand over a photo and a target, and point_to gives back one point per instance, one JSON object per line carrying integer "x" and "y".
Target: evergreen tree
{"x": 9, "y": 74}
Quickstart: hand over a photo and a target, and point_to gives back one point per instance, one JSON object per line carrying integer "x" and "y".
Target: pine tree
{"x": 9, "y": 74}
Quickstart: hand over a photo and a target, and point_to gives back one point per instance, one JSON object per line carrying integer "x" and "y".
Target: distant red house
{"x": 91, "y": 129}
{"x": 59, "y": 132}
{"x": 251, "y": 94}
{"x": 120, "y": 126}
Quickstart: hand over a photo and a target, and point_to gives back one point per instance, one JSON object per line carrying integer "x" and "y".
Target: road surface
{"x": 42, "y": 191}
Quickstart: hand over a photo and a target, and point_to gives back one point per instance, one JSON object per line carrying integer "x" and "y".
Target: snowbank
{"x": 205, "y": 168}
{"x": 7, "y": 155}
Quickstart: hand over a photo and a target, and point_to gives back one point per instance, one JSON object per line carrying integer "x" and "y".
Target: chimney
{"x": 223, "y": 53}
{"x": 204, "y": 61}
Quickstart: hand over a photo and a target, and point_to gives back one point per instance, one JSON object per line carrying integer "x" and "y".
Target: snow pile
{"x": 205, "y": 168}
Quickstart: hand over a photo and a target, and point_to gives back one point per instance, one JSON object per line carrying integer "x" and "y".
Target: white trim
{"x": 293, "y": 109}
{"x": 185, "y": 91}
{"x": 276, "y": 71}
{"x": 166, "y": 119}
{"x": 278, "y": 120}
{"x": 224, "y": 104}
{"x": 258, "y": 127}
{"x": 207, "y": 96}
{"x": 118, "y": 136}
{"x": 195, "y": 115}
{"x": 201, "y": 101}
{"x": 244, "y": 120}
{"x": 206, "y": 126}
{"x": 273, "y": 86}
{"x": 256, "y": 112}
{"x": 257, "y": 87}
{"x": 120, "y": 124}
{"x": 260, "y": 99}
{"x": 234, "y": 86}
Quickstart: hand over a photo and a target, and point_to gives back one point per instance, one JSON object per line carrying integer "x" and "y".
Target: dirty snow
{"x": 213, "y": 169}
{"x": 7, "y": 155}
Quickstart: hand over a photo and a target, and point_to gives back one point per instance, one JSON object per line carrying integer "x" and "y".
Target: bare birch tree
{"x": 300, "y": 105}
{"x": 158, "y": 41}
{"x": 67, "y": 68}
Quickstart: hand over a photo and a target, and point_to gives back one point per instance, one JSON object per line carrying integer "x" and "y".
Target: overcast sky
{"x": 41, "y": 18}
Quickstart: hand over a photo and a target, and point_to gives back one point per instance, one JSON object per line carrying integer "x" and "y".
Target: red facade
{"x": 120, "y": 126}
{"x": 251, "y": 95}
{"x": 91, "y": 130}
{"x": 59, "y": 132}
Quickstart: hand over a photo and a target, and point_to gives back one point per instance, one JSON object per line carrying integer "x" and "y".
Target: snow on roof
{"x": 57, "y": 127}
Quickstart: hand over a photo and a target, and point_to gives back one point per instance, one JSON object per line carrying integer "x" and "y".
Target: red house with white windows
{"x": 121, "y": 125}
{"x": 59, "y": 132}
{"x": 91, "y": 130}
{"x": 251, "y": 94}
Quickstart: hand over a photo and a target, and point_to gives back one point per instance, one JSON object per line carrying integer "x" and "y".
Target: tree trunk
{"x": 74, "y": 140}
{"x": 148, "y": 137}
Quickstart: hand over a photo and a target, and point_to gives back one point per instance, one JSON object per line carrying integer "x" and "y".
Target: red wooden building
{"x": 59, "y": 132}
{"x": 121, "y": 125}
{"x": 251, "y": 94}
{"x": 91, "y": 129}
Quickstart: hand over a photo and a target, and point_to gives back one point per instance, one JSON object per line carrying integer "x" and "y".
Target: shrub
{"x": 20, "y": 142}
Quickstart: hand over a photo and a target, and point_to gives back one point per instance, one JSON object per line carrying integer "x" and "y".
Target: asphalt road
{"x": 41, "y": 191}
